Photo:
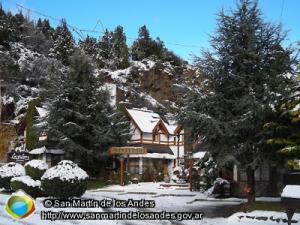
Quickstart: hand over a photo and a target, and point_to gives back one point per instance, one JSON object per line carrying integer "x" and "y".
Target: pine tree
{"x": 120, "y": 54}
{"x": 245, "y": 78}
{"x": 145, "y": 47}
{"x": 64, "y": 44}
{"x": 4, "y": 29}
{"x": 45, "y": 28}
{"x": 141, "y": 48}
{"x": 79, "y": 120}
{"x": 104, "y": 54}
{"x": 120, "y": 127}
{"x": 90, "y": 46}
{"x": 284, "y": 131}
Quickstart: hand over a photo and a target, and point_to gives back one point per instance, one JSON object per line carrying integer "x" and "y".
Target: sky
{"x": 184, "y": 22}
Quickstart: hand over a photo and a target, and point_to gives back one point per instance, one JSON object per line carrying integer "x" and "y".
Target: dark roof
{"x": 152, "y": 148}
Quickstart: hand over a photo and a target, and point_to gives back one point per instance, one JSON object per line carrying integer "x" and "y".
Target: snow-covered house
{"x": 163, "y": 140}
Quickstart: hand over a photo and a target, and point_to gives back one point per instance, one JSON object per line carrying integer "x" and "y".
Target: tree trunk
{"x": 251, "y": 184}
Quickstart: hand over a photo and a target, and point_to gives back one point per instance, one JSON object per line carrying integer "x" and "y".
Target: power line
{"x": 80, "y": 31}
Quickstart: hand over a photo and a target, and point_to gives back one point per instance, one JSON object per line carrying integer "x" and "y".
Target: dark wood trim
{"x": 160, "y": 122}
{"x": 135, "y": 123}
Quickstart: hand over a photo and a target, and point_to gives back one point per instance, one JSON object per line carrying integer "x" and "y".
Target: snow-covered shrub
{"x": 27, "y": 184}
{"x": 36, "y": 168}
{"x": 64, "y": 180}
{"x": 209, "y": 172}
{"x": 220, "y": 188}
{"x": 179, "y": 176}
{"x": 8, "y": 171}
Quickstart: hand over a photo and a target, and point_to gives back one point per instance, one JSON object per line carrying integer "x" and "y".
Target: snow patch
{"x": 38, "y": 151}
{"x": 28, "y": 181}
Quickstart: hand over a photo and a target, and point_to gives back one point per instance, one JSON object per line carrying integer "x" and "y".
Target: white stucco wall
{"x": 136, "y": 133}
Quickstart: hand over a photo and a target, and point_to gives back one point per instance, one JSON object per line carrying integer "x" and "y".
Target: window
{"x": 155, "y": 137}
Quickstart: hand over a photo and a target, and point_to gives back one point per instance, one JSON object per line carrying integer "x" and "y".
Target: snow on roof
{"x": 145, "y": 119}
{"x": 38, "y": 164}
{"x": 154, "y": 156}
{"x": 199, "y": 155}
{"x": 38, "y": 151}
{"x": 42, "y": 112}
{"x": 291, "y": 191}
{"x": 43, "y": 150}
{"x": 171, "y": 128}
{"x": 28, "y": 181}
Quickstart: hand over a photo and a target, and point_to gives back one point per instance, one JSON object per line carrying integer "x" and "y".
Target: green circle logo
{"x": 20, "y": 205}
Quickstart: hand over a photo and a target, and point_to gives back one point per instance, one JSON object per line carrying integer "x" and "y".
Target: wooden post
{"x": 190, "y": 171}
{"x": 127, "y": 163}
{"x": 122, "y": 171}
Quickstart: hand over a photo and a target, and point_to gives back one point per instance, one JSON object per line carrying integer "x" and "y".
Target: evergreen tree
{"x": 89, "y": 46}
{"x": 16, "y": 26}
{"x": 45, "y": 28}
{"x": 145, "y": 46}
{"x": 64, "y": 44}
{"x": 284, "y": 131}
{"x": 104, "y": 55}
{"x": 120, "y": 54}
{"x": 79, "y": 120}
{"x": 4, "y": 29}
{"x": 245, "y": 78}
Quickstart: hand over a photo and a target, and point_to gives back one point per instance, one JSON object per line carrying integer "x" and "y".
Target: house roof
{"x": 147, "y": 120}
{"x": 163, "y": 125}
{"x": 43, "y": 150}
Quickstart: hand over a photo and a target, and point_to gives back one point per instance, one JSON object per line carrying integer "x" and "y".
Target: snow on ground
{"x": 35, "y": 219}
{"x": 262, "y": 217}
{"x": 151, "y": 100}
{"x": 172, "y": 198}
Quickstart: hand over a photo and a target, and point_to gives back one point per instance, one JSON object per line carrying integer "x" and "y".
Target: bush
{"x": 27, "y": 184}
{"x": 9, "y": 171}
{"x": 36, "y": 168}
{"x": 64, "y": 180}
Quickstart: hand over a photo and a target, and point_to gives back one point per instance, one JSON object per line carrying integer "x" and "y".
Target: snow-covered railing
{"x": 289, "y": 201}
